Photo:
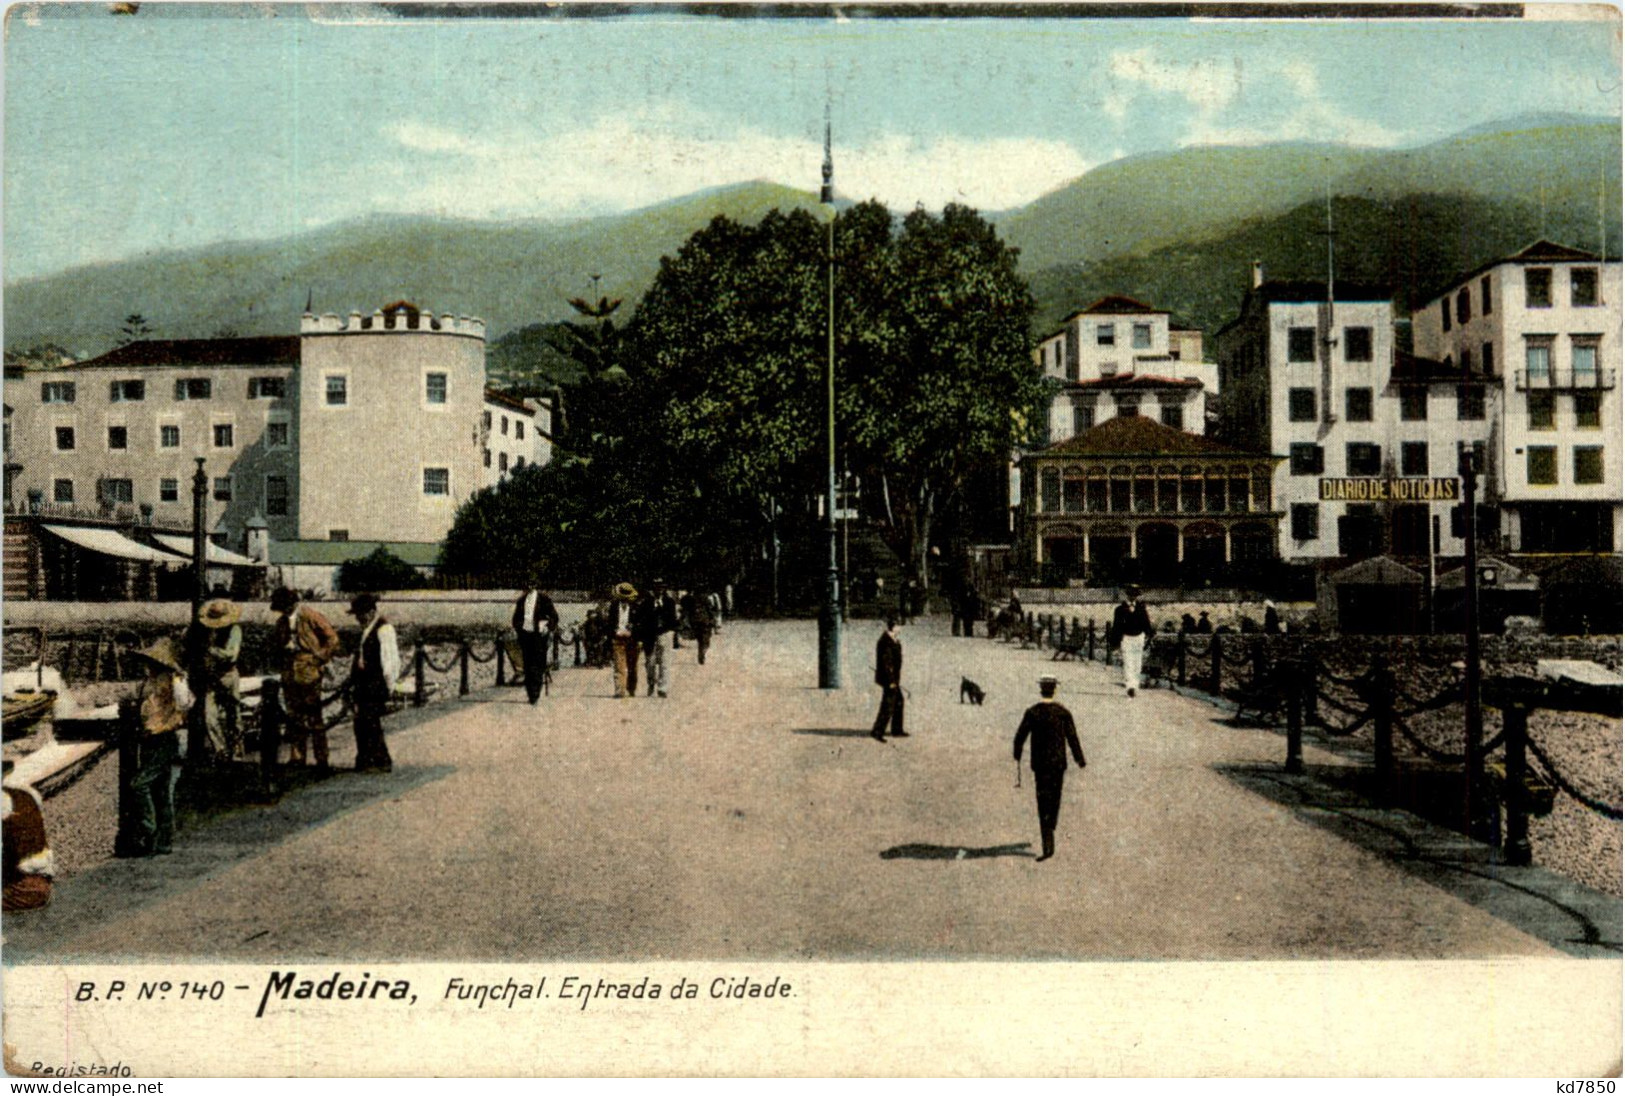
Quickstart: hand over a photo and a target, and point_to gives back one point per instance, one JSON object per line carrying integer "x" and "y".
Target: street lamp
{"x": 829, "y": 613}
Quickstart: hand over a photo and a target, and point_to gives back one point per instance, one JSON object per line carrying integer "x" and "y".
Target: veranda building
{"x": 1134, "y": 499}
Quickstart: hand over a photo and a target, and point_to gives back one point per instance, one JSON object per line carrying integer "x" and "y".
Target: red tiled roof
{"x": 1138, "y": 436}
{"x": 1118, "y": 305}
{"x": 257, "y": 350}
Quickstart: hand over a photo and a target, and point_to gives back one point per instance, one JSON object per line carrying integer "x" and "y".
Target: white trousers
{"x": 1133, "y": 648}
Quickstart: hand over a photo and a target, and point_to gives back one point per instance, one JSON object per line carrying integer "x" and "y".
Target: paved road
{"x": 750, "y": 816}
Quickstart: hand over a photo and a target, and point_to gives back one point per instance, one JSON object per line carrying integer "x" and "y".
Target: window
{"x": 194, "y": 388}
{"x": 1357, "y": 344}
{"x": 1486, "y": 303}
{"x": 1300, "y": 344}
{"x": 276, "y": 496}
{"x": 1127, "y": 405}
{"x": 487, "y": 456}
{"x": 1363, "y": 458}
{"x": 1173, "y": 415}
{"x": 519, "y": 430}
{"x": 1413, "y": 404}
{"x": 502, "y": 462}
{"x": 266, "y": 388}
{"x": 222, "y": 488}
{"x": 1489, "y": 359}
{"x": 1584, "y": 357}
{"x": 62, "y": 491}
{"x": 504, "y": 426}
{"x": 1588, "y": 464}
{"x": 1542, "y": 410}
{"x": 518, "y": 463}
{"x": 338, "y": 390}
{"x": 1357, "y": 404}
{"x": 1307, "y": 460}
{"x": 118, "y": 437}
{"x": 64, "y": 439}
{"x": 437, "y": 481}
{"x": 1049, "y": 490}
{"x": 57, "y": 392}
{"x": 169, "y": 490}
{"x": 1537, "y": 288}
{"x": 1300, "y": 404}
{"x": 1444, "y": 313}
{"x": 1083, "y": 417}
{"x": 276, "y": 435}
{"x": 1466, "y": 359}
{"x": 1413, "y": 458}
{"x": 1105, "y": 334}
{"x": 1537, "y": 357}
{"x": 116, "y": 490}
{"x": 487, "y": 420}
{"x": 1542, "y": 463}
{"x": 126, "y": 391}
{"x": 169, "y": 436}
{"x": 338, "y": 535}
{"x": 434, "y": 388}
{"x": 1469, "y": 403}
{"x": 1587, "y": 410}
{"x": 1464, "y": 306}
{"x": 1583, "y": 286}
{"x": 1142, "y": 336}
{"x": 224, "y": 435}
{"x": 1305, "y": 521}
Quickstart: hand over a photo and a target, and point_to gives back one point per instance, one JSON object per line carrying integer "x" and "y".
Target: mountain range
{"x": 1179, "y": 229}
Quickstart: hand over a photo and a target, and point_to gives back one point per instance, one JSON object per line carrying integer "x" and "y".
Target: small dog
{"x": 969, "y": 690}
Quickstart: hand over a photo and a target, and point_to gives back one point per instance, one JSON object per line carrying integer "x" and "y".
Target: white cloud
{"x": 1209, "y": 84}
{"x": 623, "y": 162}
{"x": 1315, "y": 121}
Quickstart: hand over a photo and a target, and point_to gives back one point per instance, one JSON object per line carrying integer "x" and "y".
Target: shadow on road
{"x": 833, "y": 732}
{"x": 1564, "y": 914}
{"x": 953, "y": 852}
{"x": 85, "y": 902}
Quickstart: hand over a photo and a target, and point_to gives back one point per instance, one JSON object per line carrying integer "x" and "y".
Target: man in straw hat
{"x": 1131, "y": 631}
{"x": 373, "y": 670}
{"x": 623, "y": 646}
{"x": 307, "y": 643}
{"x": 222, "y": 644}
{"x": 163, "y": 699}
{"x": 1050, "y": 726}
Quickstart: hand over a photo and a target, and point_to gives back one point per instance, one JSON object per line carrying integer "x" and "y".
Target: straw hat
{"x": 166, "y": 652}
{"x": 219, "y": 613}
{"x": 624, "y": 591}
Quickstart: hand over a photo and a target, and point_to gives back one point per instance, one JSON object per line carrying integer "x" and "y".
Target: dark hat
{"x": 1131, "y": 589}
{"x": 283, "y": 599}
{"x": 1048, "y": 679}
{"x": 363, "y": 602}
{"x": 891, "y": 622}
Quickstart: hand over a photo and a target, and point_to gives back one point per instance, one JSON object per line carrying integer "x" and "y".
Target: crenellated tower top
{"x": 400, "y": 317}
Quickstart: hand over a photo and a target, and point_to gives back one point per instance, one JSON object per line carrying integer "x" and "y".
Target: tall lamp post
{"x": 829, "y": 614}
{"x": 196, "y": 725}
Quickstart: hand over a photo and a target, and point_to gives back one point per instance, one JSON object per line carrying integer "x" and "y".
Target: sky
{"x": 185, "y": 125}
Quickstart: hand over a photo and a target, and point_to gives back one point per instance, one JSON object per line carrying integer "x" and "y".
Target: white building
{"x": 1120, "y": 356}
{"x": 1544, "y": 326}
{"x": 1370, "y": 436}
{"x": 514, "y": 432}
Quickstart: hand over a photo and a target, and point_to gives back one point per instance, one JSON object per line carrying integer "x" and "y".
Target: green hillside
{"x": 511, "y": 274}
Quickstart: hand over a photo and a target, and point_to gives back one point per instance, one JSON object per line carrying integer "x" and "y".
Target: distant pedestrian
{"x": 1131, "y": 630}
{"x": 1204, "y": 626}
{"x": 1187, "y": 624}
{"x": 535, "y": 622}
{"x": 889, "y": 676}
{"x": 1054, "y": 734}
{"x": 306, "y": 643}
{"x": 1272, "y": 619}
{"x": 697, "y": 612}
{"x": 714, "y": 600}
{"x": 623, "y": 646}
{"x": 147, "y": 826}
{"x": 222, "y": 638}
{"x": 654, "y": 620}
{"x": 28, "y": 863}
{"x": 373, "y": 672}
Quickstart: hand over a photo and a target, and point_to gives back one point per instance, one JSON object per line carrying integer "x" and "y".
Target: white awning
{"x": 212, "y": 551}
{"x": 112, "y": 543}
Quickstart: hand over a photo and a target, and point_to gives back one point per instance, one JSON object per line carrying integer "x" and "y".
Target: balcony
{"x": 1565, "y": 379}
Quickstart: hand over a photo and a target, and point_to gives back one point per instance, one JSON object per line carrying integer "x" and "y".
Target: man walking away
{"x": 535, "y": 621}
{"x": 373, "y": 671}
{"x": 306, "y": 642}
{"x": 1054, "y": 734}
{"x": 697, "y": 610}
{"x": 1131, "y": 626}
{"x": 889, "y": 676}
{"x": 623, "y": 646}
{"x": 657, "y": 619}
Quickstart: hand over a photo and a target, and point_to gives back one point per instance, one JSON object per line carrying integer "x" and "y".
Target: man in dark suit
{"x": 889, "y": 676}
{"x": 1131, "y": 631}
{"x": 654, "y": 618}
{"x": 697, "y": 612}
{"x": 376, "y": 665}
{"x": 1053, "y": 733}
{"x": 535, "y": 620}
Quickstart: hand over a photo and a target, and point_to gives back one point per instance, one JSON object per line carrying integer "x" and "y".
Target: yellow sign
{"x": 1380, "y": 489}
